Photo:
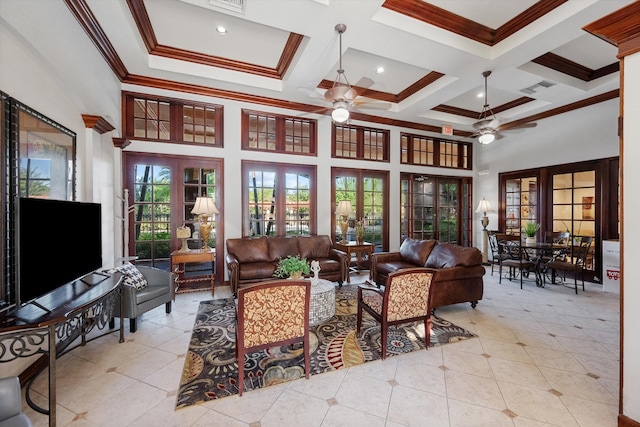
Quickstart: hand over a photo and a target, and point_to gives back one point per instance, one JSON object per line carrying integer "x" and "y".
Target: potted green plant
{"x": 530, "y": 229}
{"x": 292, "y": 266}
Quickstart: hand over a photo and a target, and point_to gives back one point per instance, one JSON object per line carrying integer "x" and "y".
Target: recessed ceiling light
{"x": 480, "y": 95}
{"x": 380, "y": 70}
{"x": 221, "y": 30}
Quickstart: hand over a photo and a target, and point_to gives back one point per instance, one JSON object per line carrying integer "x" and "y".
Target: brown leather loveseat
{"x": 251, "y": 260}
{"x": 457, "y": 270}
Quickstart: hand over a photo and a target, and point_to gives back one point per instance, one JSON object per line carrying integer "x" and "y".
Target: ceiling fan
{"x": 488, "y": 126}
{"x": 342, "y": 96}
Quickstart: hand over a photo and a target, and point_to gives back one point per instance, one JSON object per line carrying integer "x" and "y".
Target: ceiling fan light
{"x": 340, "y": 114}
{"x": 486, "y": 138}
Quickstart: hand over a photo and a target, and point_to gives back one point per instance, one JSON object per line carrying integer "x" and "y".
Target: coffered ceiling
{"x": 285, "y": 53}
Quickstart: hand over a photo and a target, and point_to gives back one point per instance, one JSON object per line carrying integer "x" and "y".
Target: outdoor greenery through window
{"x": 172, "y": 120}
{"x": 362, "y": 143}
{"x": 434, "y": 207}
{"x": 368, "y": 193}
{"x": 283, "y": 134}
{"x": 278, "y": 199}
{"x": 429, "y": 151}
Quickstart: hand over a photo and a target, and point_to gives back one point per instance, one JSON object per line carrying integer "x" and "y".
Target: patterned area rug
{"x": 211, "y": 369}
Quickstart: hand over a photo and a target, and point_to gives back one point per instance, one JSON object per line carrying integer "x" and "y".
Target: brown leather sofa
{"x": 251, "y": 260}
{"x": 457, "y": 270}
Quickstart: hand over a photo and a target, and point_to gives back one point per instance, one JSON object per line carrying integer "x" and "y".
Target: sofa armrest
{"x": 233, "y": 266}
{"x": 343, "y": 258}
{"x": 379, "y": 258}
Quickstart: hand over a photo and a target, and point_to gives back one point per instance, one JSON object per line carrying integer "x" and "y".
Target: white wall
{"x": 630, "y": 248}
{"x": 39, "y": 82}
{"x": 585, "y": 134}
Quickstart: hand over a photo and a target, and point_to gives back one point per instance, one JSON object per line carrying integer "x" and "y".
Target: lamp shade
{"x": 484, "y": 206}
{"x": 344, "y": 208}
{"x": 204, "y": 206}
{"x": 340, "y": 114}
{"x": 486, "y": 138}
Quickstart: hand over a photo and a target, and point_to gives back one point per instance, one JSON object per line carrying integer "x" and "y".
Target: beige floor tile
{"x": 582, "y": 386}
{"x": 538, "y": 405}
{"x": 213, "y": 418}
{"x": 364, "y": 394}
{"x": 590, "y": 414}
{"x": 421, "y": 377}
{"x": 250, "y": 407}
{"x": 383, "y": 370}
{"x": 164, "y": 414}
{"x": 590, "y": 348}
{"x": 339, "y": 416}
{"x": 605, "y": 368}
{"x": 417, "y": 408}
{"x": 506, "y": 351}
{"x": 323, "y": 386}
{"x": 139, "y": 398}
{"x": 463, "y": 414}
{"x": 466, "y": 362}
{"x": 555, "y": 359}
{"x": 146, "y": 364}
{"x": 473, "y": 389}
{"x": 295, "y": 409}
{"x": 167, "y": 378}
{"x": 525, "y": 374}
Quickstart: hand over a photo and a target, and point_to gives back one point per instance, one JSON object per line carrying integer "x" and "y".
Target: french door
{"x": 162, "y": 193}
{"x": 435, "y": 208}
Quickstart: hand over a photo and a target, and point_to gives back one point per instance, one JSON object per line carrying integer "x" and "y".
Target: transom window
{"x": 429, "y": 151}
{"x": 282, "y": 134}
{"x": 362, "y": 143}
{"x": 172, "y": 120}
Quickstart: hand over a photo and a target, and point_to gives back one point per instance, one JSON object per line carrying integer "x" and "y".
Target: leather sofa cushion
{"x": 150, "y": 292}
{"x": 257, "y": 270}
{"x": 446, "y": 255}
{"x": 416, "y": 251}
{"x": 458, "y": 273}
{"x": 249, "y": 250}
{"x": 314, "y": 247}
{"x": 282, "y": 247}
{"x": 389, "y": 267}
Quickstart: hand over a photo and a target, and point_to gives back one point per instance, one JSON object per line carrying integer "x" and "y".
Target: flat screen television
{"x": 58, "y": 242}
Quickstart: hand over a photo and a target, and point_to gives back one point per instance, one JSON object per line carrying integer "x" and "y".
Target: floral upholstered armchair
{"x": 405, "y": 298}
{"x": 271, "y": 314}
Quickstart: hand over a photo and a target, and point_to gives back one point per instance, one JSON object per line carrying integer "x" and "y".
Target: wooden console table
{"x": 359, "y": 249}
{"x": 48, "y": 326}
{"x": 194, "y": 256}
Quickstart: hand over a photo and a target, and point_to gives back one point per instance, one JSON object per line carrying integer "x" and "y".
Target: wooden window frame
{"x": 280, "y": 169}
{"x": 360, "y": 174}
{"x": 280, "y": 133}
{"x": 464, "y": 151}
{"x": 176, "y": 121}
{"x": 360, "y": 142}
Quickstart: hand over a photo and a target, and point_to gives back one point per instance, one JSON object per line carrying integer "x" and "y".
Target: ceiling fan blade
{"x": 507, "y": 127}
{"x": 370, "y": 104}
{"x": 365, "y": 82}
{"x": 310, "y": 92}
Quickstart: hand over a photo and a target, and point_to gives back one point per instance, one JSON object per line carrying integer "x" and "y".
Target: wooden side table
{"x": 194, "y": 256}
{"x": 353, "y": 247}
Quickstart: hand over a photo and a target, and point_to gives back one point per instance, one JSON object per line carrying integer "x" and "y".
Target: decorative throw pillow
{"x": 131, "y": 275}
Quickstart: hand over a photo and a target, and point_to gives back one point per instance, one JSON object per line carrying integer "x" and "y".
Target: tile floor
{"x": 544, "y": 357}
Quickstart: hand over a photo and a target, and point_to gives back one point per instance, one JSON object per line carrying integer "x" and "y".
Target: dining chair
{"x": 576, "y": 263}
{"x": 517, "y": 260}
{"x": 11, "y": 414}
{"x": 272, "y": 314}
{"x": 405, "y": 298}
{"x": 495, "y": 248}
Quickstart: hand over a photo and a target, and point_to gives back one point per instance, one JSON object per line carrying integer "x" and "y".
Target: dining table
{"x": 538, "y": 251}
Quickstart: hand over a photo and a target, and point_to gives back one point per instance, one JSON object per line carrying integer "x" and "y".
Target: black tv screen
{"x": 58, "y": 242}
